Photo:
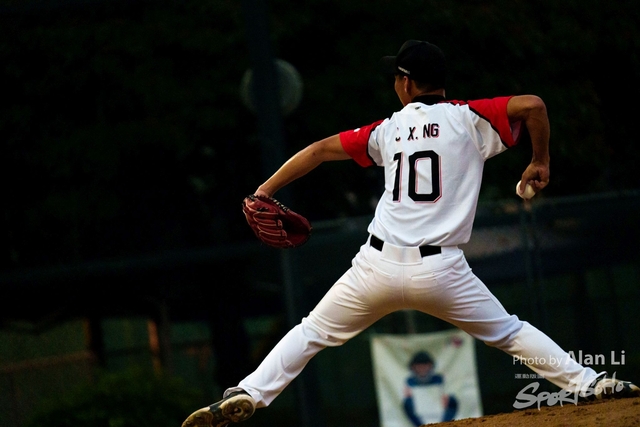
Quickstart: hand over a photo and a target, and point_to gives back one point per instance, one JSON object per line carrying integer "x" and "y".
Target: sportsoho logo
{"x": 530, "y": 396}
{"x": 526, "y": 397}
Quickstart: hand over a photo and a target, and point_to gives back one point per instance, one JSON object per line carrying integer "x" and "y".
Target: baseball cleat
{"x": 612, "y": 388}
{"x": 236, "y": 407}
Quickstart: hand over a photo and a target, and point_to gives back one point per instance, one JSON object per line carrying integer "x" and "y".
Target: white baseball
{"x": 528, "y": 191}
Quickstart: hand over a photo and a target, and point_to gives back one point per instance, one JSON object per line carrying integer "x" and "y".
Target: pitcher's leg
{"x": 283, "y": 364}
{"x": 533, "y": 348}
{"x": 469, "y": 305}
{"x": 346, "y": 310}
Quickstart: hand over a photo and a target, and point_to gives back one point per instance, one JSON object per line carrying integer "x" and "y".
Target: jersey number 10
{"x": 414, "y": 159}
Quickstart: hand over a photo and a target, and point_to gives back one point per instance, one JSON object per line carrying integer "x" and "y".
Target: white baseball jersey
{"x": 433, "y": 152}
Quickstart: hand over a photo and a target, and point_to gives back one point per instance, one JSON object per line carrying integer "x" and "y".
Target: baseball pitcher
{"x": 433, "y": 152}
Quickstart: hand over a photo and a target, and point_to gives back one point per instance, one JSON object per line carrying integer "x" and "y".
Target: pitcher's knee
{"x": 505, "y": 337}
{"x": 322, "y": 335}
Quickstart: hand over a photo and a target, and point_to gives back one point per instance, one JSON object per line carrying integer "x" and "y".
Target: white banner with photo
{"x": 425, "y": 378}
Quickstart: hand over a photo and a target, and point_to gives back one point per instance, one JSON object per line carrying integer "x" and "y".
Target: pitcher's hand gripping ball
{"x": 275, "y": 224}
{"x": 528, "y": 193}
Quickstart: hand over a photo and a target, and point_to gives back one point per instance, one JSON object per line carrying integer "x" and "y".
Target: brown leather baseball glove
{"x": 275, "y": 224}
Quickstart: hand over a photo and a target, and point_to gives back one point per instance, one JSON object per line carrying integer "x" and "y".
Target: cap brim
{"x": 388, "y": 65}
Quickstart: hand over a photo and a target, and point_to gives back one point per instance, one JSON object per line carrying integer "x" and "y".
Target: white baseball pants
{"x": 398, "y": 278}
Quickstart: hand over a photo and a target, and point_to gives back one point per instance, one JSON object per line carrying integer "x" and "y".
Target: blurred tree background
{"x": 129, "y": 398}
{"x": 124, "y": 132}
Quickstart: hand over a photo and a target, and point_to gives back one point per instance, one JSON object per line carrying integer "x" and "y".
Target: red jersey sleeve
{"x": 356, "y": 142}
{"x": 495, "y": 112}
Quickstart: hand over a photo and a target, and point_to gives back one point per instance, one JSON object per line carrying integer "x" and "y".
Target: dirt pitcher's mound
{"x": 608, "y": 413}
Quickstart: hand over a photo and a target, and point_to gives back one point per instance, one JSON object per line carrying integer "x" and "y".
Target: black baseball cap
{"x": 418, "y": 60}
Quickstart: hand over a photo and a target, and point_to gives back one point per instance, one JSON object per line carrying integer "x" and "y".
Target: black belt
{"x": 425, "y": 250}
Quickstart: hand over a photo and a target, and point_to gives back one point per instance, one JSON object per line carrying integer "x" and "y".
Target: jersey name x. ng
{"x": 433, "y": 153}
